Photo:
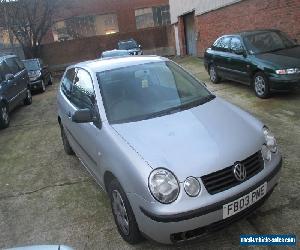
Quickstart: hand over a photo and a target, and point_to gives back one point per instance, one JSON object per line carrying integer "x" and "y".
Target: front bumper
{"x": 171, "y": 228}
{"x": 284, "y": 82}
{"x": 36, "y": 84}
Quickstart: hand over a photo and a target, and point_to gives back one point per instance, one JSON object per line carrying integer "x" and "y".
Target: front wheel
{"x": 28, "y": 99}
{"x": 4, "y": 116}
{"x": 50, "y": 82}
{"x": 261, "y": 85}
{"x": 123, "y": 214}
{"x": 213, "y": 75}
{"x": 67, "y": 147}
{"x": 43, "y": 86}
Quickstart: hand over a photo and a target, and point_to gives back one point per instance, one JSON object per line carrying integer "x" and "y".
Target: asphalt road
{"x": 47, "y": 197}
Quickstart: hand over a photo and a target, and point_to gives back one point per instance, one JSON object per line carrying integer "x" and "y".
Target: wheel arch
{"x": 4, "y": 100}
{"x": 108, "y": 177}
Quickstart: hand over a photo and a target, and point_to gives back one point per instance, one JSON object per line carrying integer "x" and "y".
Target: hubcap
{"x": 120, "y": 212}
{"x": 212, "y": 73}
{"x": 260, "y": 85}
{"x": 4, "y": 114}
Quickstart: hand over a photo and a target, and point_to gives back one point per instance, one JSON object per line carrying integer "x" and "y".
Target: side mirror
{"x": 240, "y": 52}
{"x": 84, "y": 116}
{"x": 140, "y": 46}
{"x": 9, "y": 77}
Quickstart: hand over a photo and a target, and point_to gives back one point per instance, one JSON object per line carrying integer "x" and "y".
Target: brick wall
{"x": 124, "y": 9}
{"x": 247, "y": 15}
{"x": 152, "y": 40}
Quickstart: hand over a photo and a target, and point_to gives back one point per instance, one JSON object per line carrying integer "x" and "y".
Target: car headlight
{"x": 163, "y": 186}
{"x": 270, "y": 145}
{"x": 192, "y": 186}
{"x": 287, "y": 71}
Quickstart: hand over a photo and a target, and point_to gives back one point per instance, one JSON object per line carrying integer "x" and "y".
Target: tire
{"x": 125, "y": 220}
{"x": 4, "y": 116}
{"x": 261, "y": 85}
{"x": 28, "y": 99}
{"x": 67, "y": 147}
{"x": 43, "y": 86}
{"x": 50, "y": 82}
{"x": 213, "y": 75}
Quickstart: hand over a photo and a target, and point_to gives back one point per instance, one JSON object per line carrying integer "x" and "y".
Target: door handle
{"x": 69, "y": 115}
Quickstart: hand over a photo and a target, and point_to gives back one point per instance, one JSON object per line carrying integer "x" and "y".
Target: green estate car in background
{"x": 264, "y": 59}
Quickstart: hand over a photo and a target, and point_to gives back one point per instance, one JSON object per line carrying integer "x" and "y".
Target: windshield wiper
{"x": 198, "y": 102}
{"x": 181, "y": 107}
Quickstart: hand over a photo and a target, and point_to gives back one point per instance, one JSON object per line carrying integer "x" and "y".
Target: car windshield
{"x": 114, "y": 53}
{"x": 269, "y": 41}
{"x": 127, "y": 45}
{"x": 31, "y": 65}
{"x": 149, "y": 90}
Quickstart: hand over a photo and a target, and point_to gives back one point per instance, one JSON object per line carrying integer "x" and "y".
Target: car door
{"x": 64, "y": 102}
{"x": 239, "y": 63}
{"x": 20, "y": 85}
{"x": 7, "y": 88}
{"x": 86, "y": 136}
{"x": 222, "y": 56}
{"x": 45, "y": 71}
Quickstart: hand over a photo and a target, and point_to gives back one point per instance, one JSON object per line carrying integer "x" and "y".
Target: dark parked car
{"x": 14, "y": 87}
{"x": 114, "y": 53}
{"x": 264, "y": 59}
{"x": 131, "y": 46}
{"x": 39, "y": 74}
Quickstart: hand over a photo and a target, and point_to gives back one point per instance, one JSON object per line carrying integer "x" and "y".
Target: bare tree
{"x": 28, "y": 21}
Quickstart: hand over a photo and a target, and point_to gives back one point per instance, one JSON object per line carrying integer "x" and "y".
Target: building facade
{"x": 88, "y": 18}
{"x": 197, "y": 23}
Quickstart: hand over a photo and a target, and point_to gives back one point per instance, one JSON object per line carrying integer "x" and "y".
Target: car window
{"x": 83, "y": 90}
{"x": 222, "y": 44}
{"x": 4, "y": 70}
{"x": 32, "y": 64}
{"x": 67, "y": 82}
{"x": 41, "y": 63}
{"x": 236, "y": 44}
{"x": 12, "y": 64}
{"x": 267, "y": 41}
{"x": 145, "y": 91}
{"x": 20, "y": 64}
{"x": 126, "y": 45}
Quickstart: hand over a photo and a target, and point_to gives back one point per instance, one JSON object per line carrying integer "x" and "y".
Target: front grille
{"x": 224, "y": 179}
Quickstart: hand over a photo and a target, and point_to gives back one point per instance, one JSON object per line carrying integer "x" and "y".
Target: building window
{"x": 151, "y": 17}
{"x": 161, "y": 15}
{"x": 144, "y": 18}
{"x": 85, "y": 26}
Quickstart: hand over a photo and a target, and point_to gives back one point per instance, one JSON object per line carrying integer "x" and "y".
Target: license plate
{"x": 244, "y": 202}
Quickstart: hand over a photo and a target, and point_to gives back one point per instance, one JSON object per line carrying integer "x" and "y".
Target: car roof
{"x": 32, "y": 59}
{"x": 105, "y": 64}
{"x": 248, "y": 32}
{"x": 115, "y": 50}
{"x": 4, "y": 57}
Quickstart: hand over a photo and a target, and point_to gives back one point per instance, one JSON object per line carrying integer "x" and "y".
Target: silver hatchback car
{"x": 176, "y": 161}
